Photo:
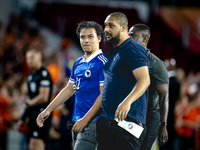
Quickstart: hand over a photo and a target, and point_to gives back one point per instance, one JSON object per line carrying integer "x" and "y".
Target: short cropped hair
{"x": 90, "y": 24}
{"x": 143, "y": 28}
{"x": 36, "y": 48}
{"x": 121, "y": 18}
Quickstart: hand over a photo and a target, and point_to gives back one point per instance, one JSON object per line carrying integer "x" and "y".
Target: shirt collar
{"x": 113, "y": 50}
{"x": 125, "y": 42}
{"x": 92, "y": 56}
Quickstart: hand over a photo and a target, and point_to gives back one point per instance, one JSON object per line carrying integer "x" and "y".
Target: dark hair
{"x": 90, "y": 24}
{"x": 36, "y": 48}
{"x": 142, "y": 27}
{"x": 121, "y": 18}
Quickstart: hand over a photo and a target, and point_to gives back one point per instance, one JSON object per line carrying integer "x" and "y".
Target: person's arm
{"x": 64, "y": 95}
{"x": 80, "y": 124}
{"x": 41, "y": 98}
{"x": 164, "y": 107}
{"x": 141, "y": 74}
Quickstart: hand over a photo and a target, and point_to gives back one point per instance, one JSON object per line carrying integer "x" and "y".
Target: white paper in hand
{"x": 131, "y": 127}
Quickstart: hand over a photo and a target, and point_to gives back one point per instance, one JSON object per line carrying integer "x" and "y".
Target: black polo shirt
{"x": 120, "y": 81}
{"x": 35, "y": 80}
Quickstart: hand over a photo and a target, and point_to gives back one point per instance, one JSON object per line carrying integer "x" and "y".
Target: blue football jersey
{"x": 88, "y": 77}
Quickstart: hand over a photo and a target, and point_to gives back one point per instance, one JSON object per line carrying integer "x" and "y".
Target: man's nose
{"x": 86, "y": 40}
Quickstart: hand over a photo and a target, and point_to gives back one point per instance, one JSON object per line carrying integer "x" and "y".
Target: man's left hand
{"x": 162, "y": 135}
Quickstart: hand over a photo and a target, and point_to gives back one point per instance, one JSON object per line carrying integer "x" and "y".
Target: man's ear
{"x": 99, "y": 38}
{"x": 124, "y": 28}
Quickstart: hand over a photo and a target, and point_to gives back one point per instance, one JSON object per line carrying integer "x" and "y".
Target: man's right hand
{"x": 42, "y": 117}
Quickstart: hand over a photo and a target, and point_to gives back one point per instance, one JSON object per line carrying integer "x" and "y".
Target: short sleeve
{"x": 101, "y": 76}
{"x": 160, "y": 73}
{"x": 72, "y": 78}
{"x": 137, "y": 56}
{"x": 45, "y": 79}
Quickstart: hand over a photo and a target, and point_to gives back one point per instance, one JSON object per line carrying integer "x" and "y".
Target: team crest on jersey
{"x": 87, "y": 73}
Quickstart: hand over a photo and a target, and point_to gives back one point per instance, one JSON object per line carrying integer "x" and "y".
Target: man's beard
{"x": 114, "y": 41}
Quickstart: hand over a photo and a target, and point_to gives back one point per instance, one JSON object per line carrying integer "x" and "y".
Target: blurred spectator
{"x": 174, "y": 90}
{"x": 15, "y": 38}
{"x": 180, "y": 73}
{"x": 187, "y": 111}
{"x": 188, "y": 116}
{"x": 5, "y": 117}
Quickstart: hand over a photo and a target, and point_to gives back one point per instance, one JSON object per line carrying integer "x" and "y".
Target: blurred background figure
{"x": 187, "y": 113}
{"x": 5, "y": 118}
{"x": 174, "y": 92}
{"x": 39, "y": 95}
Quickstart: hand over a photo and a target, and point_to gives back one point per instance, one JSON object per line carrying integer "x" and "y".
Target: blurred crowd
{"x": 187, "y": 111}
{"x": 15, "y": 39}
{"x": 184, "y": 108}
{"x": 20, "y": 33}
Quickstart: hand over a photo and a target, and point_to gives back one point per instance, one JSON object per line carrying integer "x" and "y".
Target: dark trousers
{"x": 110, "y": 136}
{"x": 152, "y": 125}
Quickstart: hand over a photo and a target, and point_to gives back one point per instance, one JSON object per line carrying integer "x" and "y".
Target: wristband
{"x": 163, "y": 124}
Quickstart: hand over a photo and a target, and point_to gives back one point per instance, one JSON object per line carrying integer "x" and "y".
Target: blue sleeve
{"x": 72, "y": 78}
{"x": 137, "y": 56}
{"x": 101, "y": 76}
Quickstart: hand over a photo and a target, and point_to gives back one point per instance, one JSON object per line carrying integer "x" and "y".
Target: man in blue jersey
{"x": 125, "y": 93}
{"x": 87, "y": 75}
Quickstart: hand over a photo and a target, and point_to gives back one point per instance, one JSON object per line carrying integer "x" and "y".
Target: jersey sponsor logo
{"x": 87, "y": 73}
{"x": 30, "y": 77}
{"x": 33, "y": 87}
{"x": 44, "y": 83}
{"x": 44, "y": 73}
